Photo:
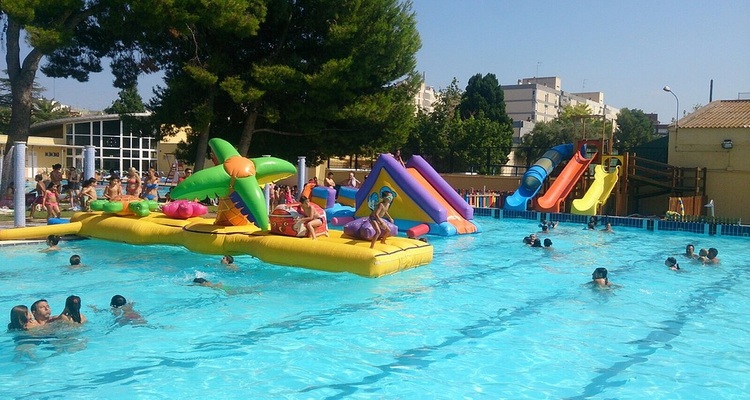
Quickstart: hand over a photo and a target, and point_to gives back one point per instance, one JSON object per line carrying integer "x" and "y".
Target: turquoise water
{"x": 489, "y": 318}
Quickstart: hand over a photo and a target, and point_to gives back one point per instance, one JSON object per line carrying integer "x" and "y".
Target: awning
{"x": 41, "y": 141}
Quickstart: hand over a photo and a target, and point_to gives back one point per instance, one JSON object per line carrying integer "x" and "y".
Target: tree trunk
{"x": 205, "y": 133}
{"x": 247, "y": 130}
{"x": 21, "y": 79}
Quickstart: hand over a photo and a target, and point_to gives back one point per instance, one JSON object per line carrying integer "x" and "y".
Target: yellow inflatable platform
{"x": 337, "y": 253}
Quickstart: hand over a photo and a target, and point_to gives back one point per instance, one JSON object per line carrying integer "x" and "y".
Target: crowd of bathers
{"x": 23, "y": 318}
{"x": 599, "y": 276}
{"x": 533, "y": 241}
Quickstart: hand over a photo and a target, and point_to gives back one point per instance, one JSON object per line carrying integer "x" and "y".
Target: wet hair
{"x": 229, "y": 258}
{"x": 703, "y": 253}
{"x": 19, "y": 317}
{"x": 200, "y": 280}
{"x": 689, "y": 246}
{"x": 537, "y": 243}
{"x": 599, "y": 273}
{"x": 673, "y": 262}
{"x": 53, "y": 239}
{"x": 36, "y": 304}
{"x": 712, "y": 253}
{"x": 73, "y": 308}
{"x": 527, "y": 240}
{"x": 544, "y": 228}
{"x": 547, "y": 242}
{"x": 75, "y": 259}
{"x": 117, "y": 301}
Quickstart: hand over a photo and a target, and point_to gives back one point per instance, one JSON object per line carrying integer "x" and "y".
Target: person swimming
{"x": 599, "y": 277}
{"x": 671, "y": 262}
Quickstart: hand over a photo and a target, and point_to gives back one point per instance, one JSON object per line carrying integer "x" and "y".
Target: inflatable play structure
{"x": 237, "y": 181}
{"x": 532, "y": 180}
{"x": 423, "y": 201}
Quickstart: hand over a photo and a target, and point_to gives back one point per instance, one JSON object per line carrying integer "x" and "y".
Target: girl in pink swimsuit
{"x": 50, "y": 201}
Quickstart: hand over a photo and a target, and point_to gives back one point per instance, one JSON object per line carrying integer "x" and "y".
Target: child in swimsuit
{"x": 382, "y": 230}
{"x": 114, "y": 188}
{"x": 40, "y": 191}
{"x": 88, "y": 194}
{"x": 50, "y": 201}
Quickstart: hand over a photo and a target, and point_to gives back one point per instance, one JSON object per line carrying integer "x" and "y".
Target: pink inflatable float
{"x": 361, "y": 228}
{"x": 184, "y": 209}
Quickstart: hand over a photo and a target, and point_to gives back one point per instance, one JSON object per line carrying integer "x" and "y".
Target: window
{"x": 111, "y": 128}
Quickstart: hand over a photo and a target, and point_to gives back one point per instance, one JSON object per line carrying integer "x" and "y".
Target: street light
{"x": 676, "y": 126}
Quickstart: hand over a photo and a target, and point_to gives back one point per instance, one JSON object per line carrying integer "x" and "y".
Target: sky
{"x": 629, "y": 50}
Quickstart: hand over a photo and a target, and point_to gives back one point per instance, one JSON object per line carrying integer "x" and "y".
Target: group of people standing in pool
{"x": 23, "y": 318}
{"x": 705, "y": 257}
{"x": 39, "y": 316}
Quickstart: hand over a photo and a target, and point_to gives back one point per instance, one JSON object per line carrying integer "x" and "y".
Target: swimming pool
{"x": 489, "y": 318}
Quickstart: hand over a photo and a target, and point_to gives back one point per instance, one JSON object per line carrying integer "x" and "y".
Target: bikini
{"x": 51, "y": 196}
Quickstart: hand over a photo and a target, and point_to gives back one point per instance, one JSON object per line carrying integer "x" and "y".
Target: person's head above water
{"x": 75, "y": 259}
{"x": 117, "y": 301}
{"x": 53, "y": 240}
{"x": 712, "y": 253}
{"x": 689, "y": 249}
{"x": 671, "y": 262}
{"x": 599, "y": 273}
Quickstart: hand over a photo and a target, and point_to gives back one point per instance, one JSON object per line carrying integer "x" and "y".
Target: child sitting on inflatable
{"x": 382, "y": 230}
{"x": 311, "y": 218}
{"x": 304, "y": 219}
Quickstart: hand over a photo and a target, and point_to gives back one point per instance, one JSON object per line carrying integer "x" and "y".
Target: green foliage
{"x": 574, "y": 123}
{"x": 129, "y": 101}
{"x": 317, "y": 78}
{"x": 478, "y": 143}
{"x": 544, "y": 136}
{"x": 633, "y": 129}
{"x": 572, "y": 112}
{"x": 48, "y": 110}
{"x": 484, "y": 98}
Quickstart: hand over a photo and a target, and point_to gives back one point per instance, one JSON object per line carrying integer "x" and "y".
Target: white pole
{"x": 301, "y": 178}
{"x": 19, "y": 178}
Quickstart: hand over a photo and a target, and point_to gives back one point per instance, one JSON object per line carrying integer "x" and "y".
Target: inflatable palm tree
{"x": 237, "y": 182}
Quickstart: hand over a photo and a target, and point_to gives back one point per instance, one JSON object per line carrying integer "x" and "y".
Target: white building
{"x": 425, "y": 98}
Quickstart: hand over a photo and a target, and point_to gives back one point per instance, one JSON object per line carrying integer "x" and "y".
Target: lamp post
{"x": 676, "y": 124}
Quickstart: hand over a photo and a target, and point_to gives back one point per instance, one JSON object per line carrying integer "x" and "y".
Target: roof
{"x": 40, "y": 141}
{"x": 719, "y": 114}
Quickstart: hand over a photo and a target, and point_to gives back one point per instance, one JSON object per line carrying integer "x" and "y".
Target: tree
{"x": 484, "y": 98}
{"x": 48, "y": 110}
{"x": 317, "y": 79}
{"x": 574, "y": 123}
{"x": 633, "y": 129}
{"x": 543, "y": 137}
{"x": 475, "y": 143}
{"x": 128, "y": 101}
{"x": 50, "y": 26}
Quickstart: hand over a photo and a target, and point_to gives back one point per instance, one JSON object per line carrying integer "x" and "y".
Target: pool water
{"x": 489, "y": 318}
